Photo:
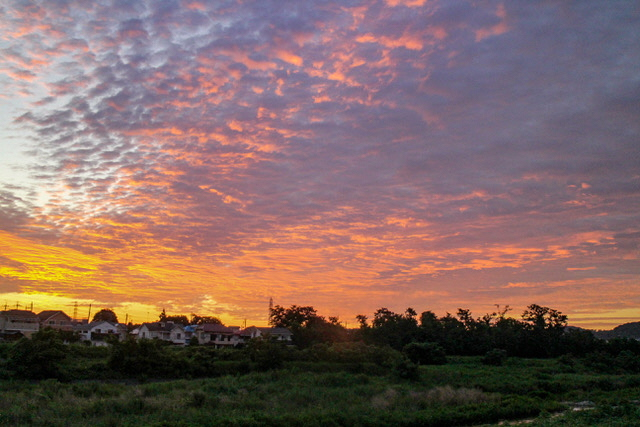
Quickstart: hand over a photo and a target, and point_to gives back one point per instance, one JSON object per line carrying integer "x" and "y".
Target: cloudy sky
{"x": 204, "y": 156}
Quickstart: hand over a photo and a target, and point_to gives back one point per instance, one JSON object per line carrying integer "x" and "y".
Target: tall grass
{"x": 463, "y": 392}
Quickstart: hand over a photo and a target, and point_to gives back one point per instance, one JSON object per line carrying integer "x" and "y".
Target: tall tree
{"x": 393, "y": 329}
{"x": 176, "y": 318}
{"x": 544, "y": 318}
{"x": 307, "y": 326}
{"x": 293, "y": 317}
{"x": 201, "y": 320}
{"x": 106, "y": 314}
{"x": 543, "y": 331}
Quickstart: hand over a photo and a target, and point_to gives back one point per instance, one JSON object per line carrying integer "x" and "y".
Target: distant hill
{"x": 627, "y": 330}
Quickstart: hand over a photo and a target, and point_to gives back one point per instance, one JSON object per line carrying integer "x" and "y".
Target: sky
{"x": 206, "y": 156}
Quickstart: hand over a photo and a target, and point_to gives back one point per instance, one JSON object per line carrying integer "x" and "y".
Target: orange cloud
{"x": 497, "y": 29}
{"x": 408, "y": 3}
{"x": 289, "y": 57}
{"x": 409, "y": 41}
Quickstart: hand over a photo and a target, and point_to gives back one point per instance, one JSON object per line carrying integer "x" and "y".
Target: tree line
{"x": 540, "y": 332}
{"x": 389, "y": 342}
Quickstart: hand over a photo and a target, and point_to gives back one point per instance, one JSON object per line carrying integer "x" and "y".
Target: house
{"x": 276, "y": 334}
{"x": 189, "y": 332}
{"x": 55, "y": 319}
{"x": 218, "y": 335}
{"x": 165, "y": 331}
{"x": 99, "y": 332}
{"x": 15, "y": 324}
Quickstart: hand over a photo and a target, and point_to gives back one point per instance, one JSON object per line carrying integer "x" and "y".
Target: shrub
{"x": 425, "y": 353}
{"x": 405, "y": 369}
{"x": 142, "y": 358}
{"x": 495, "y": 357}
{"x": 265, "y": 353}
{"x": 600, "y": 361}
{"x": 628, "y": 361}
{"x": 197, "y": 399}
{"x": 39, "y": 357}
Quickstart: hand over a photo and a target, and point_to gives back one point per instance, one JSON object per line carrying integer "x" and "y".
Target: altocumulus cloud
{"x": 347, "y": 154}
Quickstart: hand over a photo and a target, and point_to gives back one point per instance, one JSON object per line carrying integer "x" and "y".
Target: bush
{"x": 495, "y": 357}
{"x": 265, "y": 353}
{"x": 39, "y": 357}
{"x": 405, "y": 369}
{"x": 142, "y": 358}
{"x": 628, "y": 361}
{"x": 600, "y": 361}
{"x": 425, "y": 353}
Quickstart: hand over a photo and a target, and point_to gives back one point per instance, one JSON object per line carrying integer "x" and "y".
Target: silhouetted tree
{"x": 578, "y": 342}
{"x": 430, "y": 328}
{"x": 507, "y": 334}
{"x": 201, "y": 320}
{"x": 544, "y": 328}
{"x": 393, "y": 329}
{"x": 177, "y": 318}
{"x": 307, "y": 326}
{"x": 544, "y": 318}
{"x": 106, "y": 314}
{"x": 292, "y": 317}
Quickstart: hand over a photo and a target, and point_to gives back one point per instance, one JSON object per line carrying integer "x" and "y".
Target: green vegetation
{"x": 395, "y": 370}
{"x": 462, "y": 392}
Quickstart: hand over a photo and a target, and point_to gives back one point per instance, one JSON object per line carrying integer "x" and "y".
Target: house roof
{"x": 162, "y": 326}
{"x": 216, "y": 328}
{"x": 23, "y": 314}
{"x": 48, "y": 314}
{"x": 89, "y": 326}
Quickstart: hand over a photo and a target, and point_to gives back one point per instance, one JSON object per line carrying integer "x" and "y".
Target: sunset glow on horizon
{"x": 204, "y": 157}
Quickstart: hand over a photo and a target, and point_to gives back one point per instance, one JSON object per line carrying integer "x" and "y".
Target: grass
{"x": 462, "y": 392}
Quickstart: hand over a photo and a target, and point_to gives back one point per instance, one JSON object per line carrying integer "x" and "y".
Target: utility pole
{"x": 89, "y": 317}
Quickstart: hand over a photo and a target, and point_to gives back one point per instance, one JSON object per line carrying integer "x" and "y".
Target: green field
{"x": 461, "y": 392}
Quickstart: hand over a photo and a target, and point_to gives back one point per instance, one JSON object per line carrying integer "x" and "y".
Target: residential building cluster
{"x": 15, "y": 324}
